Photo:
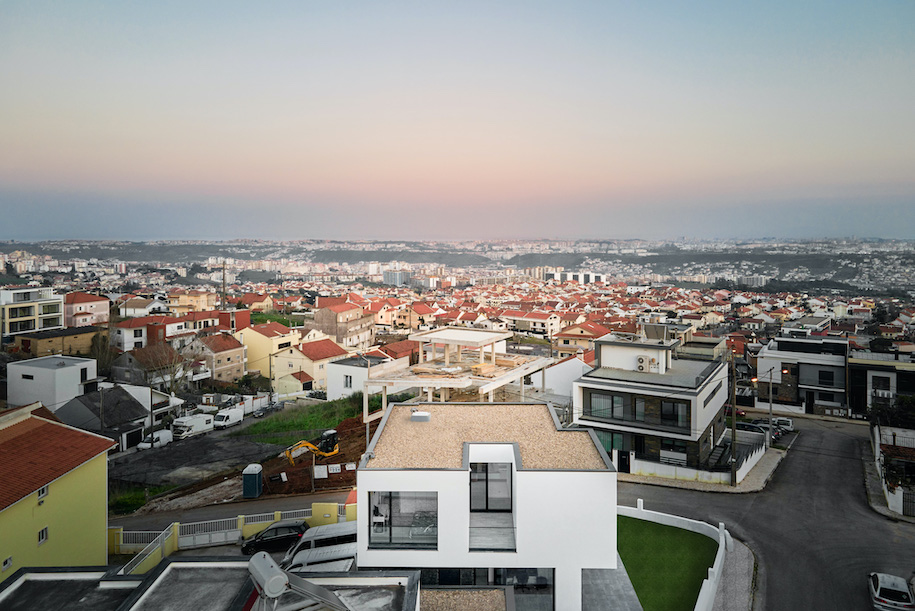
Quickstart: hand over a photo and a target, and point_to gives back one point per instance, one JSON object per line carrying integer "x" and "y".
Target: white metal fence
{"x": 211, "y": 532}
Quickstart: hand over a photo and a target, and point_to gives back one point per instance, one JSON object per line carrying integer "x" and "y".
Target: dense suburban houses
{"x": 477, "y": 393}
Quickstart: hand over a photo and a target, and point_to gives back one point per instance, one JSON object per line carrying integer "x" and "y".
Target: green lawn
{"x": 259, "y": 318}
{"x": 665, "y": 564}
{"x": 288, "y": 426}
{"x": 128, "y": 500}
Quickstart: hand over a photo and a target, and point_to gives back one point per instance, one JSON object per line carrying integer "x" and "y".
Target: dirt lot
{"x": 351, "y": 436}
{"x": 212, "y": 489}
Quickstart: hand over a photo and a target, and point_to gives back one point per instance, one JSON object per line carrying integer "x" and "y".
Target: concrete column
{"x": 493, "y": 353}
{"x": 422, "y": 351}
{"x": 459, "y": 354}
{"x": 429, "y": 394}
{"x": 491, "y": 396}
{"x": 543, "y": 379}
{"x": 447, "y": 354}
{"x": 521, "y": 382}
{"x": 384, "y": 398}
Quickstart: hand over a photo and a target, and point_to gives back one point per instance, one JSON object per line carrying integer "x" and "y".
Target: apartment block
{"x": 25, "y": 309}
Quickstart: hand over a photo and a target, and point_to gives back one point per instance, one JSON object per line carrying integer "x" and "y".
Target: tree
{"x": 166, "y": 368}
{"x": 101, "y": 350}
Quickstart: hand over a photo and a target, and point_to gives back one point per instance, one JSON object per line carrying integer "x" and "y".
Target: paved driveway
{"x": 813, "y": 532}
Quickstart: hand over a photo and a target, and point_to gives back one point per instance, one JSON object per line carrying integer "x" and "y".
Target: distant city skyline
{"x": 405, "y": 120}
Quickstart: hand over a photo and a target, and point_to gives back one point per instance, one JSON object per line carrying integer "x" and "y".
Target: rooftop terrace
{"x": 401, "y": 443}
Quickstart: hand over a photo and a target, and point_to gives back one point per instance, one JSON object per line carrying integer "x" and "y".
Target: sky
{"x": 456, "y": 120}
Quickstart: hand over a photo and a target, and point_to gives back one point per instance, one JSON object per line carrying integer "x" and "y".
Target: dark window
{"x": 284, "y": 345}
{"x": 827, "y": 378}
{"x": 880, "y": 382}
{"x": 673, "y": 445}
{"x": 404, "y": 520}
{"x": 83, "y": 374}
{"x": 674, "y": 413}
{"x": 827, "y": 396}
{"x": 138, "y": 332}
{"x": 28, "y": 376}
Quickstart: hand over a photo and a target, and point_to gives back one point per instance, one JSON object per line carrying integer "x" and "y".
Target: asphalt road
{"x": 815, "y": 536}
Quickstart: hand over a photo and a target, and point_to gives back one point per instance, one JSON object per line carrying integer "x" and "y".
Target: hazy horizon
{"x": 404, "y": 120}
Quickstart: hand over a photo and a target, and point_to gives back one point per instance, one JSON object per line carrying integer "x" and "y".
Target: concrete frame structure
{"x": 480, "y": 371}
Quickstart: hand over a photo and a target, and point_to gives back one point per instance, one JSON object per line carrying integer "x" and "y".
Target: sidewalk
{"x": 736, "y": 588}
{"x": 755, "y": 480}
{"x": 874, "y": 489}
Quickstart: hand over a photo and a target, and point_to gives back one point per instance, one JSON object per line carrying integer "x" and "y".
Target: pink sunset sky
{"x": 460, "y": 120}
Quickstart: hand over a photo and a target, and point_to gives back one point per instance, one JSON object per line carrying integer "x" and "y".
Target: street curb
{"x": 877, "y": 506}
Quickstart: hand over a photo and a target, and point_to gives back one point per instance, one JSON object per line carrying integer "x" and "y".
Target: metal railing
{"x": 296, "y": 514}
{"x": 139, "y": 537}
{"x": 258, "y": 518}
{"x": 155, "y": 544}
{"x": 208, "y": 527}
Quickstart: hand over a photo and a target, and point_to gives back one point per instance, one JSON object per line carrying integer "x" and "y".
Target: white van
{"x": 785, "y": 423}
{"x": 228, "y": 417}
{"x": 156, "y": 439}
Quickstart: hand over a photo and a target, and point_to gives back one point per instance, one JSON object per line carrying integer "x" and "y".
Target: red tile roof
{"x": 302, "y": 377}
{"x": 343, "y": 307}
{"x": 77, "y": 297}
{"x": 35, "y": 452}
{"x": 272, "y": 329}
{"x": 321, "y": 349}
{"x": 221, "y": 342}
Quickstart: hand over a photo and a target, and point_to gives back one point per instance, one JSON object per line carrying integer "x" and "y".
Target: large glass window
{"x": 674, "y": 413}
{"x": 404, "y": 520}
{"x": 490, "y": 487}
{"x": 827, "y": 378}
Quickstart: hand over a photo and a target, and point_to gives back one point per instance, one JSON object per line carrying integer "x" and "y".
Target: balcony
{"x": 492, "y": 532}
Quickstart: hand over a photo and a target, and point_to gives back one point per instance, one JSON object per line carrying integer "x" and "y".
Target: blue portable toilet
{"x": 252, "y": 481}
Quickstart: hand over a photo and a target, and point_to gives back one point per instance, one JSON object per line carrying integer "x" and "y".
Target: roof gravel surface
{"x": 459, "y": 600}
{"x": 439, "y": 444}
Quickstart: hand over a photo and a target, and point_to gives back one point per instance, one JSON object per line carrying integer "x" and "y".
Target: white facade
{"x": 53, "y": 380}
{"x": 563, "y": 519}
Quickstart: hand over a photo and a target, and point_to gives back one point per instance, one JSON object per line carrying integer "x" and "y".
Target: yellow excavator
{"x": 327, "y": 446}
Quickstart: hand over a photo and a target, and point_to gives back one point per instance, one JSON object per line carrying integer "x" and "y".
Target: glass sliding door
{"x": 490, "y": 487}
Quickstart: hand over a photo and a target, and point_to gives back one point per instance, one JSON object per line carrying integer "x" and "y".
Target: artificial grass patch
{"x": 665, "y": 564}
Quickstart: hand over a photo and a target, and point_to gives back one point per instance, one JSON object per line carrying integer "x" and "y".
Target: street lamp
{"x": 755, "y": 380}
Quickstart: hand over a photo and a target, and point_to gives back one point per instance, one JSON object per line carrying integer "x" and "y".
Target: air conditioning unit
{"x": 644, "y": 360}
{"x": 643, "y": 368}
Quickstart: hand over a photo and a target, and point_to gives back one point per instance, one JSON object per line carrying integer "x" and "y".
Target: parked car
{"x": 271, "y": 407}
{"x": 156, "y": 439}
{"x": 278, "y": 537}
{"x": 228, "y": 417}
{"x": 764, "y": 422}
{"x": 753, "y": 428}
{"x": 889, "y": 592}
{"x": 785, "y": 423}
{"x": 740, "y": 412}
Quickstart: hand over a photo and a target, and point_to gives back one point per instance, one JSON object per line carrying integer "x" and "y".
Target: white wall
{"x": 570, "y": 528}
{"x": 52, "y": 386}
{"x": 559, "y": 377}
{"x": 336, "y": 374}
{"x": 626, "y": 357}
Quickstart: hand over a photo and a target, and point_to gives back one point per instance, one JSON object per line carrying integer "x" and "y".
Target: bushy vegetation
{"x": 128, "y": 500}
{"x": 259, "y": 318}
{"x": 307, "y": 422}
{"x": 665, "y": 564}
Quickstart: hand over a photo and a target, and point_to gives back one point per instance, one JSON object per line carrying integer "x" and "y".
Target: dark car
{"x": 277, "y": 537}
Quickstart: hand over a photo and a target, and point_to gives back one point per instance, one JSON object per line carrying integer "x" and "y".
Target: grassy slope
{"x": 665, "y": 564}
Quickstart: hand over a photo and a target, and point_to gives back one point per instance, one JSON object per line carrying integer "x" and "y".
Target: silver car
{"x": 889, "y": 592}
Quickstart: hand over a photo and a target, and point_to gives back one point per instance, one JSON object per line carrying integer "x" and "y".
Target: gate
{"x": 908, "y": 503}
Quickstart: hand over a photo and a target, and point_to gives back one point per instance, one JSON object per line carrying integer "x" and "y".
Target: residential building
{"x": 112, "y": 412}
{"x": 29, "y": 308}
{"x": 318, "y": 355}
{"x": 569, "y": 340}
{"x": 159, "y": 366}
{"x": 807, "y": 374}
{"x": 257, "y": 302}
{"x": 54, "y": 497}
{"x": 74, "y": 342}
{"x": 236, "y": 320}
{"x": 263, "y": 342}
{"x": 457, "y": 490}
{"x": 224, "y": 355}
{"x": 144, "y": 331}
{"x": 648, "y": 402}
{"x": 347, "y": 324}
{"x": 396, "y": 277}
{"x": 894, "y": 458}
{"x": 878, "y": 379}
{"x": 347, "y": 376}
{"x": 52, "y": 380}
{"x": 139, "y": 306}
{"x": 82, "y": 309}
{"x": 182, "y": 302}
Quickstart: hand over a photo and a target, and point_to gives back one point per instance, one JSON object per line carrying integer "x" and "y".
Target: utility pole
{"x": 733, "y": 421}
{"x": 223, "y": 302}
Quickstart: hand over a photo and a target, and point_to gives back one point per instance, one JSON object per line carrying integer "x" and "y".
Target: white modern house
{"x": 349, "y": 375}
{"x": 490, "y": 494}
{"x": 53, "y": 380}
{"x": 807, "y": 374}
{"x": 655, "y": 400}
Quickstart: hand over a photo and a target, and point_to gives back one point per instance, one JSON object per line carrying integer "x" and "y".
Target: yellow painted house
{"x": 268, "y": 342}
{"x": 53, "y": 492}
